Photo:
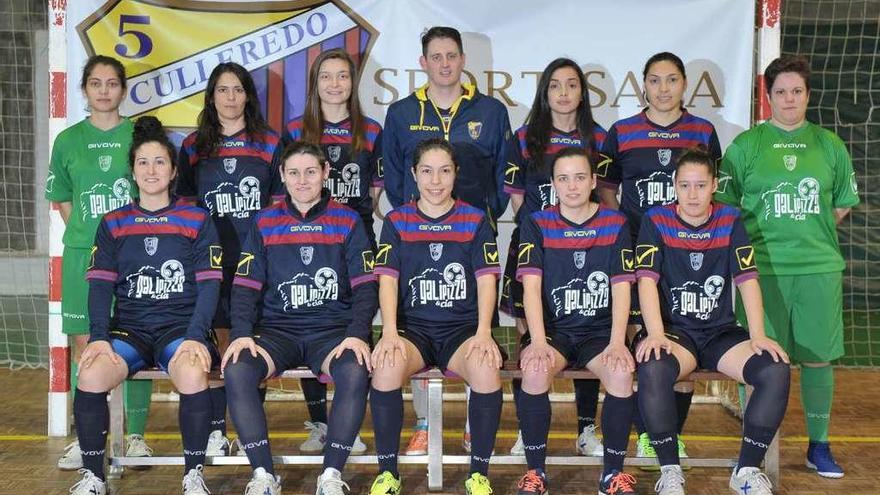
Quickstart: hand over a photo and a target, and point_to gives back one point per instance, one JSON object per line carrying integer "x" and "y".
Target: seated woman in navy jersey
{"x": 688, "y": 255}
{"x": 228, "y": 166}
{"x": 160, "y": 259}
{"x": 575, "y": 264}
{"x": 304, "y": 294}
{"x": 438, "y": 273}
{"x": 352, "y": 143}
{"x": 560, "y": 118}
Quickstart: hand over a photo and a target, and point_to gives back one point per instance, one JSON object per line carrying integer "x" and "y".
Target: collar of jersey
{"x": 715, "y": 206}
{"x": 440, "y": 219}
{"x": 468, "y": 92}
{"x": 586, "y": 222}
{"x": 137, "y": 206}
{"x": 313, "y": 212}
{"x": 674, "y": 123}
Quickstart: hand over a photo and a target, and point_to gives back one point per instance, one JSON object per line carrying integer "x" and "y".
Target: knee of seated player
{"x": 347, "y": 373}
{"x": 536, "y": 382}
{"x": 188, "y": 377}
{"x": 388, "y": 378}
{"x": 618, "y": 383}
{"x": 662, "y": 372}
{"x": 243, "y": 373}
{"x": 480, "y": 377}
{"x": 102, "y": 375}
{"x": 762, "y": 371}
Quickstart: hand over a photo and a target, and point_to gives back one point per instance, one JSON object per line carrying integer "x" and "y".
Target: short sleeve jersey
{"x": 578, "y": 264}
{"x": 155, "y": 260}
{"x": 643, "y": 156}
{"x": 695, "y": 265}
{"x": 788, "y": 184}
{"x": 305, "y": 266}
{"x": 351, "y": 174}
{"x": 233, "y": 185}
{"x": 523, "y": 177}
{"x": 89, "y": 168}
{"x": 437, "y": 262}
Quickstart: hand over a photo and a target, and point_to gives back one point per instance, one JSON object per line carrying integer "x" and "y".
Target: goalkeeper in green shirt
{"x": 794, "y": 182}
{"x": 88, "y": 177}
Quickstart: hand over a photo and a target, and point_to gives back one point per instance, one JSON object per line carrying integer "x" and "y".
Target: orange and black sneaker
{"x": 534, "y": 482}
{"x": 617, "y": 483}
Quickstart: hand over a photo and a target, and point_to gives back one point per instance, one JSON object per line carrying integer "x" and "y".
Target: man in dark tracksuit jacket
{"x": 476, "y": 125}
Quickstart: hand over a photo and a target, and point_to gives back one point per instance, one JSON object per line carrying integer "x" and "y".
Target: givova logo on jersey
{"x": 795, "y": 202}
{"x": 157, "y": 285}
{"x": 305, "y": 291}
{"x": 344, "y": 184}
{"x": 698, "y": 300}
{"x": 441, "y": 289}
{"x": 583, "y": 297}
{"x": 101, "y": 198}
{"x": 657, "y": 189}
{"x": 235, "y": 201}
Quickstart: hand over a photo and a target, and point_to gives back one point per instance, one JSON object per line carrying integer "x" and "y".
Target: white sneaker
{"x": 317, "y": 437}
{"x": 137, "y": 447}
{"x": 750, "y": 481}
{"x": 194, "y": 482}
{"x": 359, "y": 447}
{"x": 88, "y": 485}
{"x": 263, "y": 483}
{"x": 330, "y": 483}
{"x": 588, "y": 443}
{"x": 518, "y": 448}
{"x": 671, "y": 481}
{"x": 71, "y": 459}
{"x": 218, "y": 445}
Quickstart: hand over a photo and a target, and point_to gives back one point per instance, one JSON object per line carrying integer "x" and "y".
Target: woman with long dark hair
{"x": 228, "y": 166}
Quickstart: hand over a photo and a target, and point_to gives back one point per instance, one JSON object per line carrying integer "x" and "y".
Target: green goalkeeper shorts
{"x": 75, "y": 291}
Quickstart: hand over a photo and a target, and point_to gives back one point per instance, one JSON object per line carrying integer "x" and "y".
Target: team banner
{"x": 170, "y": 47}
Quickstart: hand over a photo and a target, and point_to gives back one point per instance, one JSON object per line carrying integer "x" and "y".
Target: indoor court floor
{"x": 28, "y": 456}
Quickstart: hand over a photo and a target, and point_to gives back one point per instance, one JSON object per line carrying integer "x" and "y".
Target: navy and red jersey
{"x": 524, "y": 177}
{"x": 233, "y": 185}
{"x": 643, "y": 156}
{"x": 578, "y": 264}
{"x": 163, "y": 267}
{"x": 306, "y": 270}
{"x": 437, "y": 262}
{"x": 351, "y": 175}
{"x": 695, "y": 265}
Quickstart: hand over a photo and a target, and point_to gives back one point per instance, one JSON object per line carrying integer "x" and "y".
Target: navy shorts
{"x": 292, "y": 351}
{"x": 141, "y": 349}
{"x": 707, "y": 346}
{"x": 438, "y": 352}
{"x": 578, "y": 351}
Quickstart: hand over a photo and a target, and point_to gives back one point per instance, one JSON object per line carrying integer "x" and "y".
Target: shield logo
{"x": 664, "y": 156}
{"x": 334, "y": 152}
{"x": 306, "y": 253}
{"x": 436, "y": 250}
{"x": 790, "y": 162}
{"x": 696, "y": 261}
{"x": 284, "y": 35}
{"x": 229, "y": 164}
{"x": 104, "y": 162}
{"x": 151, "y": 244}
{"x": 580, "y": 257}
{"x": 474, "y": 129}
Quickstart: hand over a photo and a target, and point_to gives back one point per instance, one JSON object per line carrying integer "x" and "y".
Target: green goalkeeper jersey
{"x": 788, "y": 185}
{"x": 89, "y": 169}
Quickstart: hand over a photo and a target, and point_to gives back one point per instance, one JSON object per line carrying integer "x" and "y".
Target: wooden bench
{"x": 435, "y": 458}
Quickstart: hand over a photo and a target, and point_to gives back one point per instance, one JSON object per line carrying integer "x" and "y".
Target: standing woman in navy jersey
{"x": 689, "y": 256}
{"x": 438, "y": 266}
{"x": 560, "y": 118}
{"x": 304, "y": 295}
{"x": 643, "y": 150}
{"x": 160, "y": 259}
{"x": 228, "y": 166}
{"x": 351, "y": 141}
